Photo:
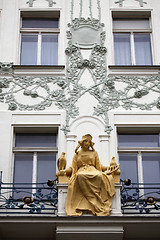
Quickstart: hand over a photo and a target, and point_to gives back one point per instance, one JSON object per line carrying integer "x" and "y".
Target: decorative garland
{"x": 111, "y": 92}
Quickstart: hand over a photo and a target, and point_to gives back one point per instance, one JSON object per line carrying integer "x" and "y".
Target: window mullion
{"x": 132, "y": 49}
{"x": 140, "y": 169}
{"x": 140, "y": 172}
{"x": 34, "y": 173}
{"x": 39, "y": 48}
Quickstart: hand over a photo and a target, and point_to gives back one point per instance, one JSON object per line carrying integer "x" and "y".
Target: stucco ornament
{"x": 120, "y": 2}
{"x": 91, "y": 185}
{"x": 111, "y": 92}
{"x": 50, "y": 3}
{"x": 6, "y": 67}
{"x": 30, "y": 2}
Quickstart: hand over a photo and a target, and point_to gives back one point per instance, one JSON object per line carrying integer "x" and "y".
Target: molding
{"x": 50, "y": 3}
{"x": 120, "y": 2}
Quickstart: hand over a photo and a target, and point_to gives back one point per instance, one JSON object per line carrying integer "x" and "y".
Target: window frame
{"x": 132, "y": 32}
{"x": 139, "y": 151}
{"x": 33, "y": 150}
{"x": 38, "y": 31}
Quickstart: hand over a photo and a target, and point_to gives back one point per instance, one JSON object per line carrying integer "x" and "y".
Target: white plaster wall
{"x": 9, "y": 52}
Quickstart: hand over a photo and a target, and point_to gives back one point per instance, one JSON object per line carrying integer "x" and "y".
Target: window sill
{"x": 39, "y": 69}
{"x": 130, "y": 69}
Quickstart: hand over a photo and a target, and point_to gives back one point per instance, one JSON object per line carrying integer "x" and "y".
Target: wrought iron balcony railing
{"x": 27, "y": 198}
{"x": 140, "y": 198}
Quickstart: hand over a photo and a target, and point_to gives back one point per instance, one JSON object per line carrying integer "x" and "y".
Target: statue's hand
{"x": 68, "y": 172}
{"x": 112, "y": 169}
{"x": 104, "y": 168}
{"x": 61, "y": 173}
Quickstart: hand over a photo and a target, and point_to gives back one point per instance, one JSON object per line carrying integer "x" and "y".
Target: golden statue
{"x": 91, "y": 185}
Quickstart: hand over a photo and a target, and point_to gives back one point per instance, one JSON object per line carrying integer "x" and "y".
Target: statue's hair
{"x": 81, "y": 142}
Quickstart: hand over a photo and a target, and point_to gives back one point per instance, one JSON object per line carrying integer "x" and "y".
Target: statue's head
{"x": 86, "y": 137}
{"x": 87, "y": 140}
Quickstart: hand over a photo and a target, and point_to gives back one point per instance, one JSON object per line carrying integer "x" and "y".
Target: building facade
{"x": 69, "y": 68}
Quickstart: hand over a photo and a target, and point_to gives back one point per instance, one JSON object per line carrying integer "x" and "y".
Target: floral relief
{"x": 111, "y": 92}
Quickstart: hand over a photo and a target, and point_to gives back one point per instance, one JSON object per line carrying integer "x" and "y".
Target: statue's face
{"x": 86, "y": 144}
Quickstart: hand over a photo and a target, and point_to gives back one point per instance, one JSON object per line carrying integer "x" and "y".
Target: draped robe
{"x": 89, "y": 190}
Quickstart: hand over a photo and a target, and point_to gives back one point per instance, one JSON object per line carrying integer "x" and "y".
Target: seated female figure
{"x": 90, "y": 190}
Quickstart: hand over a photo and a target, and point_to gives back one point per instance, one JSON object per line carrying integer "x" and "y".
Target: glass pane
{"x": 151, "y": 173}
{"x": 151, "y": 167}
{"x": 35, "y": 140}
{"x": 138, "y": 140}
{"x": 29, "y": 49}
{"x": 49, "y": 54}
{"x": 23, "y": 165}
{"x": 122, "y": 49}
{"x": 40, "y": 23}
{"x": 143, "y": 53}
{"x": 120, "y": 23}
{"x": 128, "y": 166}
{"x": 46, "y": 168}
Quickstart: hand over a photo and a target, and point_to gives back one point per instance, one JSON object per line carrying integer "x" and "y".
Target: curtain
{"x": 49, "y": 51}
{"x": 122, "y": 49}
{"x": 29, "y": 49}
{"x": 143, "y": 53}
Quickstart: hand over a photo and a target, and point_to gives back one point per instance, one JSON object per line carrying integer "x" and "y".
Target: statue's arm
{"x": 74, "y": 164}
{"x": 73, "y": 169}
{"x": 98, "y": 164}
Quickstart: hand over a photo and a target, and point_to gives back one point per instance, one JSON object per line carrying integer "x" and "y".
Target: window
{"x": 34, "y": 157}
{"x": 139, "y": 156}
{"x": 39, "y": 39}
{"x": 132, "y": 41}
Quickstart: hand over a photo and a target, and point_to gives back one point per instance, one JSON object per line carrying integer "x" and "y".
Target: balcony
{"x": 42, "y": 199}
{"x": 27, "y": 198}
{"x": 140, "y": 198}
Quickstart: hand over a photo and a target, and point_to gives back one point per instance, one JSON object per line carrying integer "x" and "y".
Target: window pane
{"x": 128, "y": 167}
{"x": 46, "y": 168}
{"x": 143, "y": 52}
{"x": 23, "y": 165}
{"x": 29, "y": 49}
{"x": 138, "y": 140}
{"x": 40, "y": 23}
{"x": 122, "y": 49}
{"x": 49, "y": 54}
{"x": 35, "y": 140}
{"x": 120, "y": 23}
{"x": 151, "y": 167}
{"x": 151, "y": 173}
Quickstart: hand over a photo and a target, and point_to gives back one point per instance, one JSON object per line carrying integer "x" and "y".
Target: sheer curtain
{"x": 35, "y": 140}
{"x": 122, "y": 49}
{"x": 143, "y": 53}
{"x": 46, "y": 169}
{"x": 23, "y": 166}
{"x": 151, "y": 170}
{"x": 49, "y": 53}
{"x": 29, "y": 49}
{"x": 129, "y": 168}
